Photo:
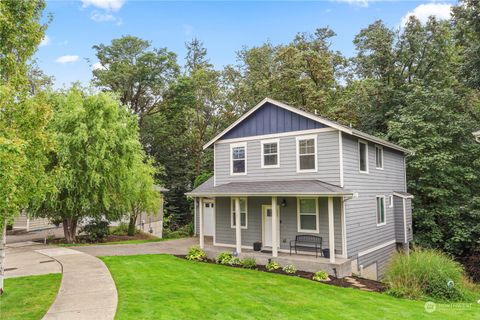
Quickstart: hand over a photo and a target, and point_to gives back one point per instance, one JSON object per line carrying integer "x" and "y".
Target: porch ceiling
{"x": 264, "y": 188}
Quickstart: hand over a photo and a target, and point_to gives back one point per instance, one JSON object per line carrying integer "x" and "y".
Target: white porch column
{"x": 274, "y": 227}
{"x": 238, "y": 226}
{"x": 331, "y": 234}
{"x": 200, "y": 220}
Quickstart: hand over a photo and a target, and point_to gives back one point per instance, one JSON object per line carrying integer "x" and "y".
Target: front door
{"x": 267, "y": 226}
{"x": 208, "y": 218}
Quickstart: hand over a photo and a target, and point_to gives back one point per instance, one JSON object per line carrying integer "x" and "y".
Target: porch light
{"x": 283, "y": 203}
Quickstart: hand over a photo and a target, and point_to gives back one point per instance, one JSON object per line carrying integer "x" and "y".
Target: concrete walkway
{"x": 176, "y": 246}
{"x": 87, "y": 290}
{"x": 22, "y": 260}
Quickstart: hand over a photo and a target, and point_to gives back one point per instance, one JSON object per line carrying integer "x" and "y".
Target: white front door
{"x": 267, "y": 226}
{"x": 208, "y": 218}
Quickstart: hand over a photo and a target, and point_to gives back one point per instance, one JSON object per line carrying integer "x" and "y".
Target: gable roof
{"x": 322, "y": 120}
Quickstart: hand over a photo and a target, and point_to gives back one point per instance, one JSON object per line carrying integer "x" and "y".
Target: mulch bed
{"x": 110, "y": 238}
{"x": 370, "y": 285}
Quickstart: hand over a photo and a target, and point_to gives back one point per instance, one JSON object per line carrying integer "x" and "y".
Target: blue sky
{"x": 224, "y": 27}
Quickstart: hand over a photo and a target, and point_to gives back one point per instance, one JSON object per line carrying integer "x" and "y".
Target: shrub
{"x": 427, "y": 274}
{"x": 96, "y": 230}
{"x": 196, "y": 254}
{"x": 120, "y": 230}
{"x": 272, "y": 265}
{"x": 290, "y": 269}
{"x": 224, "y": 257}
{"x": 227, "y": 258}
{"x": 249, "y": 263}
{"x": 320, "y": 276}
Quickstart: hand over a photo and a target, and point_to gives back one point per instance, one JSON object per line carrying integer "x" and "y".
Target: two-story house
{"x": 280, "y": 172}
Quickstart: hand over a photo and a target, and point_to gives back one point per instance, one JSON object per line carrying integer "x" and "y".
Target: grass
{"x": 166, "y": 287}
{"x": 429, "y": 274}
{"x": 28, "y": 298}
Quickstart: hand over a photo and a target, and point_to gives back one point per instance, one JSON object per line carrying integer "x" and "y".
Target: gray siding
{"x": 381, "y": 257}
{"x": 225, "y": 234}
{"x": 270, "y": 119}
{"x": 408, "y": 214}
{"x": 362, "y": 230}
{"x": 398, "y": 214}
{"x": 328, "y": 161}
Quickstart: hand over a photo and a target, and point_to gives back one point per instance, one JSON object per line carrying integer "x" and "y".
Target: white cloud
{"x": 105, "y": 17}
{"x": 108, "y": 5}
{"x": 360, "y": 3}
{"x": 45, "y": 41}
{"x": 422, "y": 12}
{"x": 67, "y": 59}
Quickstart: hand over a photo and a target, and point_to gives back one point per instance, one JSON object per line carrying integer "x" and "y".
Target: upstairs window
{"x": 270, "y": 154}
{"x": 363, "y": 156}
{"x": 380, "y": 210}
{"x": 238, "y": 158}
{"x": 307, "y": 154}
{"x": 379, "y": 157}
{"x": 243, "y": 213}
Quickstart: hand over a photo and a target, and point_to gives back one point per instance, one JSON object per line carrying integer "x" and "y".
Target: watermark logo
{"x": 450, "y": 284}
{"x": 430, "y": 306}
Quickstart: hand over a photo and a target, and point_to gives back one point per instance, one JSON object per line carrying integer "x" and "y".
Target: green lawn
{"x": 166, "y": 287}
{"x": 28, "y": 298}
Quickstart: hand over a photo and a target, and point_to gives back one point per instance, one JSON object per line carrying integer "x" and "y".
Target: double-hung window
{"x": 243, "y": 213}
{"x": 378, "y": 157}
{"x": 238, "y": 156}
{"x": 307, "y": 154}
{"x": 363, "y": 156}
{"x": 381, "y": 210}
{"x": 270, "y": 153}
{"x": 307, "y": 215}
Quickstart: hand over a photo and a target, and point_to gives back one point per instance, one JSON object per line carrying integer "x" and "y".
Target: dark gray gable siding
{"x": 269, "y": 119}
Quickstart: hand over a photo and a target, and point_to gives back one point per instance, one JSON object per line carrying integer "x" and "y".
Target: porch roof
{"x": 259, "y": 188}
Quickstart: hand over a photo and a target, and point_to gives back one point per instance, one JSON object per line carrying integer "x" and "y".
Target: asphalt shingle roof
{"x": 257, "y": 188}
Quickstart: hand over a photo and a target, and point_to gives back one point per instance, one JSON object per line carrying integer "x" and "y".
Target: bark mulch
{"x": 347, "y": 282}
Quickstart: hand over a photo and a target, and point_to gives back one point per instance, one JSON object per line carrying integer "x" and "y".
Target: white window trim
{"x": 390, "y": 201}
{"x": 232, "y": 209}
{"x": 383, "y": 159}
{"x": 314, "y": 137}
{"x": 359, "y": 155}
{"x": 262, "y": 142}
{"x": 317, "y": 230}
{"x": 235, "y": 145}
{"x": 384, "y": 211}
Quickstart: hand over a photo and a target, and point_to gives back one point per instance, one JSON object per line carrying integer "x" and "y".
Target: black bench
{"x": 307, "y": 242}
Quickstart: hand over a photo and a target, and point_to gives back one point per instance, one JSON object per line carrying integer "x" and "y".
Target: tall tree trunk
{"x": 131, "y": 223}
{"x": 70, "y": 229}
{"x": 3, "y": 248}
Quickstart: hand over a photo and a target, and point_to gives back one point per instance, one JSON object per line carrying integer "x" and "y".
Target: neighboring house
{"x": 280, "y": 172}
{"x": 476, "y": 134}
{"x": 153, "y": 223}
{"x": 23, "y": 222}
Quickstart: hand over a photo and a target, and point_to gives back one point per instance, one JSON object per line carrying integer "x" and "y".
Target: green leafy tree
{"x": 97, "y": 148}
{"x": 140, "y": 193}
{"x": 466, "y": 18}
{"x": 24, "y": 141}
{"x": 138, "y": 74}
{"x": 444, "y": 171}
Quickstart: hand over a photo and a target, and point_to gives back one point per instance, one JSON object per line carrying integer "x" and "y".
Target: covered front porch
{"x": 273, "y": 213}
{"x": 306, "y": 262}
